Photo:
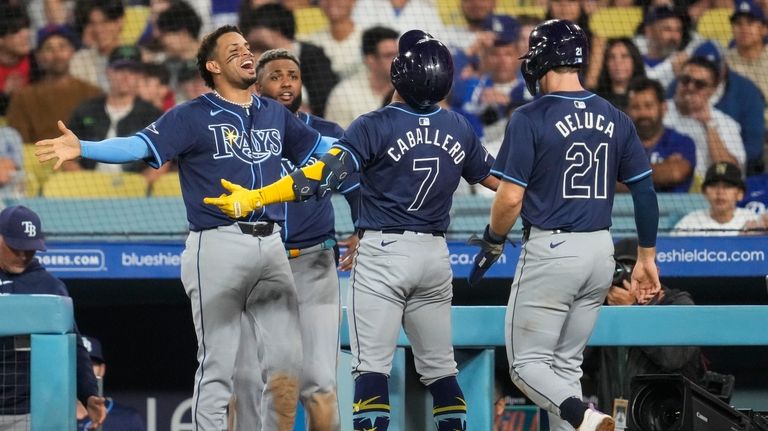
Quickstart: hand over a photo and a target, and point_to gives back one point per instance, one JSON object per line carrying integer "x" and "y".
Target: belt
{"x": 328, "y": 244}
{"x": 527, "y": 232}
{"x": 259, "y": 228}
{"x": 360, "y": 232}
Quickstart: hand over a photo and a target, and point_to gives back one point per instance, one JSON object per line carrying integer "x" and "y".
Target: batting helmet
{"x": 422, "y": 73}
{"x": 553, "y": 43}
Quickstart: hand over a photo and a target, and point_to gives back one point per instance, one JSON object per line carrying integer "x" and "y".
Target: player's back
{"x": 568, "y": 149}
{"x": 412, "y": 162}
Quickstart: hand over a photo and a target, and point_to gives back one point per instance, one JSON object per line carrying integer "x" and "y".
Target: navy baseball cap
{"x": 749, "y": 9}
{"x": 661, "y": 12}
{"x": 125, "y": 57}
{"x": 21, "y": 229}
{"x": 56, "y": 30}
{"x": 93, "y": 346}
{"x": 507, "y": 29}
{"x": 709, "y": 51}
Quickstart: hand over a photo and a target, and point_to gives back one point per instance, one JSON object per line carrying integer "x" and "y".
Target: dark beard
{"x": 646, "y": 129}
{"x": 295, "y": 105}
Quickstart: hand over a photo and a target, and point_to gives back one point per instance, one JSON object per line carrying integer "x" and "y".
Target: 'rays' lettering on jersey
{"x": 230, "y": 142}
{"x": 584, "y": 120}
{"x": 427, "y": 136}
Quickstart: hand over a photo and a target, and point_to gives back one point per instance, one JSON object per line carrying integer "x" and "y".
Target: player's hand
{"x": 64, "y": 148}
{"x": 491, "y": 248}
{"x": 240, "y": 202}
{"x": 97, "y": 411}
{"x": 621, "y": 295}
{"x": 645, "y": 282}
{"x": 346, "y": 260}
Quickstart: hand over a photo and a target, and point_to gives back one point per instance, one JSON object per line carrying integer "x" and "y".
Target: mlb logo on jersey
{"x": 579, "y": 104}
{"x": 423, "y": 121}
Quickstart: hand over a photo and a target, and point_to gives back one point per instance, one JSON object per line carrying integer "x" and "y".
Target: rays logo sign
{"x": 258, "y": 147}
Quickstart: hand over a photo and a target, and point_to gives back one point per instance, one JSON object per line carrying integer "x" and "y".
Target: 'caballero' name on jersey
{"x": 427, "y": 136}
{"x": 583, "y": 120}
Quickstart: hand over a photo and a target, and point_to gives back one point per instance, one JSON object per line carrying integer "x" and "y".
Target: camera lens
{"x": 658, "y": 408}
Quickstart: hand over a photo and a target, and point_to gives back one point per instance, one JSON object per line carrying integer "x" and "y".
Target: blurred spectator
{"x": 117, "y": 114}
{"x": 119, "y": 417}
{"x": 400, "y": 15}
{"x": 716, "y": 135}
{"x": 178, "y": 30}
{"x": 35, "y": 109}
{"x": 740, "y": 99}
{"x": 104, "y": 22}
{"x": 614, "y": 367}
{"x": 150, "y": 37}
{"x": 672, "y": 155}
{"x": 21, "y": 236}
{"x": 622, "y": 63}
{"x": 473, "y": 34}
{"x": 154, "y": 86}
{"x": 486, "y": 98}
{"x": 574, "y": 11}
{"x": 11, "y": 166}
{"x": 273, "y": 26}
{"x": 749, "y": 55}
{"x": 723, "y": 186}
{"x": 664, "y": 33}
{"x": 365, "y": 90}
{"x": 756, "y": 196}
{"x": 15, "y": 48}
{"x": 191, "y": 83}
{"x": 341, "y": 41}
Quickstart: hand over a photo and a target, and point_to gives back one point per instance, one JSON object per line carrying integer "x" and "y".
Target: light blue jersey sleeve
{"x": 115, "y": 150}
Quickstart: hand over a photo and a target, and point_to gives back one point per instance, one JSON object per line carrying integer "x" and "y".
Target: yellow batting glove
{"x": 241, "y": 202}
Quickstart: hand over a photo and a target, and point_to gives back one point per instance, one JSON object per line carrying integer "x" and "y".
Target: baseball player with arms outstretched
{"x": 309, "y": 236}
{"x": 559, "y": 163}
{"x": 411, "y": 156}
{"x": 228, "y": 266}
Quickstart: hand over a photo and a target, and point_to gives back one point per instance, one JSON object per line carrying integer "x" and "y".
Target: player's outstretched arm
{"x": 314, "y": 180}
{"x": 645, "y": 276}
{"x": 64, "y": 148}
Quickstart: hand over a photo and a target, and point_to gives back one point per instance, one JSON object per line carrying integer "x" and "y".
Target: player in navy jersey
{"x": 310, "y": 241}
{"x": 228, "y": 266}
{"x": 411, "y": 156}
{"x": 559, "y": 162}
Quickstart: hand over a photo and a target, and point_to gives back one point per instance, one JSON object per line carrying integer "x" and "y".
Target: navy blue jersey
{"x": 214, "y": 139}
{"x": 311, "y": 222}
{"x": 14, "y": 365}
{"x": 411, "y": 163}
{"x": 568, "y": 149}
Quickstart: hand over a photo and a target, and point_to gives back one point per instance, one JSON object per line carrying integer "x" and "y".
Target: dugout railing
{"x": 49, "y": 320}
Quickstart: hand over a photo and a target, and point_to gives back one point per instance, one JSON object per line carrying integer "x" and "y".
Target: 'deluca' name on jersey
{"x": 584, "y": 120}
{"x": 427, "y": 136}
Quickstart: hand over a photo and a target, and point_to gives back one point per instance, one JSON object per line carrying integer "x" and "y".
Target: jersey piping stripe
{"x": 354, "y": 315}
{"x": 638, "y": 177}
{"x": 512, "y": 323}
{"x": 202, "y": 325}
{"x": 355, "y": 186}
{"x": 354, "y": 159}
{"x": 569, "y": 98}
{"x": 157, "y": 162}
{"x": 417, "y": 114}
{"x": 508, "y": 178}
{"x": 314, "y": 148}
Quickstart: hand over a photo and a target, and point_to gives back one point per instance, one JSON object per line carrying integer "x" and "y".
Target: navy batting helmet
{"x": 553, "y": 43}
{"x": 423, "y": 71}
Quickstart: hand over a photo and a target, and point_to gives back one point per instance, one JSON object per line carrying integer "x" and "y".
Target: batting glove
{"x": 491, "y": 248}
{"x": 240, "y": 202}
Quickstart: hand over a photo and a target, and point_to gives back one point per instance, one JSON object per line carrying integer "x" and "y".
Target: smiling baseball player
{"x": 229, "y": 266}
{"x": 411, "y": 155}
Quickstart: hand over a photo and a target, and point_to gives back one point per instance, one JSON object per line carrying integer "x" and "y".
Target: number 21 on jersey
{"x": 587, "y": 173}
